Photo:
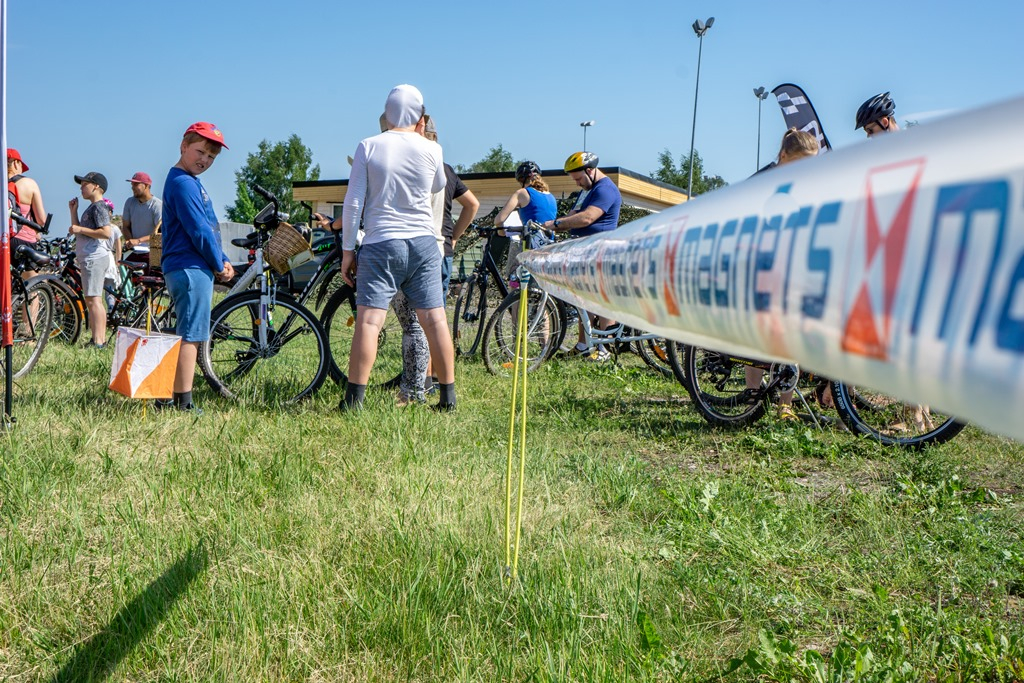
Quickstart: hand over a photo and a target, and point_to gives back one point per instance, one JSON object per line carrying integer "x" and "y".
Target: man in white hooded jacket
{"x": 394, "y": 175}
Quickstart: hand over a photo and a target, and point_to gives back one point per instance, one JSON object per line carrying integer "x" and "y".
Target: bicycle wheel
{"x": 676, "y": 360}
{"x": 32, "y": 312}
{"x": 156, "y": 310}
{"x": 471, "y": 314}
{"x": 290, "y": 366}
{"x": 545, "y": 329}
{"x": 339, "y": 322}
{"x": 68, "y": 312}
{"x": 890, "y": 421}
{"x": 654, "y": 352}
{"x": 718, "y": 388}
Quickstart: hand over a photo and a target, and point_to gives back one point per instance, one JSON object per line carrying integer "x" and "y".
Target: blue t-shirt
{"x": 605, "y": 196}
{"x": 542, "y": 207}
{"x": 190, "y": 235}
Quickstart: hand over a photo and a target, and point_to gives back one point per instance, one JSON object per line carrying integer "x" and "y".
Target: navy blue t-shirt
{"x": 605, "y": 196}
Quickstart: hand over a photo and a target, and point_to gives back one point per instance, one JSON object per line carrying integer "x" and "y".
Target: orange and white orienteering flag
{"x": 144, "y": 364}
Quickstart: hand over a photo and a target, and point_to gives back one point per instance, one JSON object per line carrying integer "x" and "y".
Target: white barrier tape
{"x": 897, "y": 263}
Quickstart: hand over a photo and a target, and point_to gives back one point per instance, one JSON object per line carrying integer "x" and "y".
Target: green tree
{"x": 679, "y": 176}
{"x": 274, "y": 166}
{"x": 498, "y": 160}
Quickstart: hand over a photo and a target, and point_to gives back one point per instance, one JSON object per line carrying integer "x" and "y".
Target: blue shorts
{"x": 413, "y": 266}
{"x": 192, "y": 292}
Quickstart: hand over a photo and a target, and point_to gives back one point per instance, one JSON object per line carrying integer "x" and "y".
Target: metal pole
{"x": 757, "y": 167}
{"x": 584, "y": 138}
{"x": 693, "y": 130}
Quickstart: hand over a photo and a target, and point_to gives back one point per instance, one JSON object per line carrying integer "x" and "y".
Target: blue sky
{"x": 110, "y": 85}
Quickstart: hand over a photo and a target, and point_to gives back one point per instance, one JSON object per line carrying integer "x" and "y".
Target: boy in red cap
{"x": 192, "y": 254}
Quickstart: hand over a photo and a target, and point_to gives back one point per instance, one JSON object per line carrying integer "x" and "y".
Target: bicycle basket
{"x": 156, "y": 247}
{"x": 287, "y": 249}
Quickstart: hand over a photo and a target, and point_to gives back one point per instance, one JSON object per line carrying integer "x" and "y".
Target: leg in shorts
{"x": 192, "y": 293}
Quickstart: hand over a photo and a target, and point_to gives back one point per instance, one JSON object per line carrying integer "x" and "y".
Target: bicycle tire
{"x": 160, "y": 308}
{"x": 716, "y": 386}
{"x": 677, "y": 361}
{"x": 290, "y": 367}
{"x": 470, "y": 316}
{"x": 339, "y": 319}
{"x": 31, "y": 327}
{"x": 891, "y": 422}
{"x": 654, "y": 353}
{"x": 499, "y": 337}
{"x": 68, "y": 311}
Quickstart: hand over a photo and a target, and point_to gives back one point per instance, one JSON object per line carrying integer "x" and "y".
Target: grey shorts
{"x": 94, "y": 272}
{"x": 412, "y": 266}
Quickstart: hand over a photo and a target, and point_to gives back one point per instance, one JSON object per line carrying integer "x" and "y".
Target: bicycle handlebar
{"x": 266, "y": 194}
{"x": 21, "y": 220}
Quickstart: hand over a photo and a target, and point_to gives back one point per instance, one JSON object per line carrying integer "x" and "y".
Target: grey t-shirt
{"x": 96, "y": 215}
{"x": 142, "y": 217}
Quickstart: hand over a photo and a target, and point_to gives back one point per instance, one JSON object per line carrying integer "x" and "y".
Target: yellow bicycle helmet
{"x": 578, "y": 161}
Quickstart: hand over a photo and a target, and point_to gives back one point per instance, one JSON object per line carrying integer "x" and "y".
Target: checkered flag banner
{"x": 799, "y": 113}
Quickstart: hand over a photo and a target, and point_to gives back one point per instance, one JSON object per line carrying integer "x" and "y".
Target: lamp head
{"x": 711, "y": 20}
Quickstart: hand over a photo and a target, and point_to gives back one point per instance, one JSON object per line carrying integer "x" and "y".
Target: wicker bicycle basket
{"x": 156, "y": 247}
{"x": 285, "y": 243}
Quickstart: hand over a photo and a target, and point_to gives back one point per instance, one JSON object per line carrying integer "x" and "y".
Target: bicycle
{"x": 716, "y": 382}
{"x": 263, "y": 344}
{"x": 337, "y": 315}
{"x": 549, "y": 320}
{"x": 476, "y": 296}
{"x": 31, "y": 307}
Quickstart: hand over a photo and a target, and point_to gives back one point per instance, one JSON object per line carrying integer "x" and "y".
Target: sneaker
{"x": 599, "y": 355}
{"x": 191, "y": 408}
{"x": 163, "y": 403}
{"x": 94, "y": 345}
{"x": 787, "y": 414}
{"x": 580, "y": 351}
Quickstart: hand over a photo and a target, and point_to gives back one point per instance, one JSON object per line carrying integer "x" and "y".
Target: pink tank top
{"x": 26, "y": 234}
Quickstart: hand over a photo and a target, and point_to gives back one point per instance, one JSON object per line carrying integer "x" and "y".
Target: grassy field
{"x": 258, "y": 544}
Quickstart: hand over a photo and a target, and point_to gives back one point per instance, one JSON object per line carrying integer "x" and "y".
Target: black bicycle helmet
{"x": 878, "y": 107}
{"x": 525, "y": 170}
{"x": 579, "y": 161}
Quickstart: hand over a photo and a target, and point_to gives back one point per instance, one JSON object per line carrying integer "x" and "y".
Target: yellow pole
{"x": 520, "y": 366}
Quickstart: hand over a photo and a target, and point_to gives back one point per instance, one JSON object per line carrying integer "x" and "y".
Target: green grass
{"x": 261, "y": 544}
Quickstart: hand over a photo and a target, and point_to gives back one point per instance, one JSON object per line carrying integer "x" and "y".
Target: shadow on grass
{"x": 96, "y": 659}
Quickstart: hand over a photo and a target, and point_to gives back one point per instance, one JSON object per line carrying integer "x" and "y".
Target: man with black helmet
{"x": 876, "y": 115}
{"x": 598, "y": 212}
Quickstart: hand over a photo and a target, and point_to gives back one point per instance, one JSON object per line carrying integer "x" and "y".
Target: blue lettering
{"x": 963, "y": 200}
{"x": 819, "y": 260}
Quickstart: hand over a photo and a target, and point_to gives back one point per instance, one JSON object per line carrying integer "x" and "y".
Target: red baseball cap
{"x": 15, "y": 154}
{"x": 141, "y": 177}
{"x": 208, "y": 131}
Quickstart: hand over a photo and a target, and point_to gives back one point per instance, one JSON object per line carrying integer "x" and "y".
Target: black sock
{"x": 354, "y": 396}
{"x": 447, "y": 392}
{"x": 182, "y": 399}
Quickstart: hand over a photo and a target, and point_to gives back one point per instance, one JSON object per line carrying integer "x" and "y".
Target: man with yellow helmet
{"x": 597, "y": 212}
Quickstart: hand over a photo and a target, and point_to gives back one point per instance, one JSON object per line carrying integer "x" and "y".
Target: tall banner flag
{"x": 896, "y": 264}
{"x": 799, "y": 113}
{"x": 6, "y": 323}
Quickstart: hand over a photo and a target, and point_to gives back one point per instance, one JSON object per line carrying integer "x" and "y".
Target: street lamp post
{"x": 585, "y": 125}
{"x": 761, "y": 94}
{"x": 700, "y": 28}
